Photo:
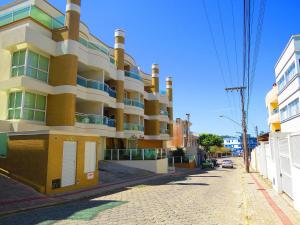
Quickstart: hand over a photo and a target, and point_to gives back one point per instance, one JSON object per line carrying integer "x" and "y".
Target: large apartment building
{"x": 68, "y": 100}
{"x": 287, "y": 71}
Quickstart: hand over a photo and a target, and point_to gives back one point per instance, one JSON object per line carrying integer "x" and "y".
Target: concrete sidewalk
{"x": 263, "y": 206}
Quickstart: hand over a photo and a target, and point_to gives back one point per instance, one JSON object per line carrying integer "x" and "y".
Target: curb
{"x": 61, "y": 200}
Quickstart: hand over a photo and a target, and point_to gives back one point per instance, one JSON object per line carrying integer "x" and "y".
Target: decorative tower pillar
{"x": 169, "y": 89}
{"x": 119, "y": 54}
{"x": 72, "y": 21}
{"x": 155, "y": 78}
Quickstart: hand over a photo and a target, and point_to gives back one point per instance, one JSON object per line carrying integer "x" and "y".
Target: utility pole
{"x": 244, "y": 126}
{"x": 188, "y": 115}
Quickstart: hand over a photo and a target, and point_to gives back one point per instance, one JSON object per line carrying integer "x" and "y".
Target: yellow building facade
{"x": 66, "y": 98}
{"x": 272, "y": 107}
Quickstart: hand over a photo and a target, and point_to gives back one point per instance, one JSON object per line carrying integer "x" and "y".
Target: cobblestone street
{"x": 207, "y": 197}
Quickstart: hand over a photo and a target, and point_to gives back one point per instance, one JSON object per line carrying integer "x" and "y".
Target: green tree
{"x": 208, "y": 140}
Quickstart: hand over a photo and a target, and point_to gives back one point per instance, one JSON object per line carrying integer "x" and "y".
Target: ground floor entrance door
{"x": 69, "y": 164}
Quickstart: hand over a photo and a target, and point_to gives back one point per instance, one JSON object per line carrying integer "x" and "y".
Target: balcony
{"x": 94, "y": 46}
{"x": 133, "y": 102}
{"x": 274, "y": 117}
{"x": 133, "y": 127}
{"x": 35, "y": 13}
{"x": 135, "y": 154}
{"x": 112, "y": 60}
{"x": 133, "y": 75}
{"x": 272, "y": 96}
{"x": 275, "y": 111}
{"x": 164, "y": 112}
{"x": 164, "y": 131}
{"x": 94, "y": 84}
{"x": 94, "y": 119}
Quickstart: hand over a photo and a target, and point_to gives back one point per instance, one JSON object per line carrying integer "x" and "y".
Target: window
{"x": 27, "y": 106}
{"x": 281, "y": 83}
{"x": 283, "y": 113}
{"x": 18, "y": 63}
{"x": 293, "y": 108}
{"x": 29, "y": 63}
{"x": 90, "y": 157}
{"x": 14, "y": 105}
{"x": 290, "y": 72}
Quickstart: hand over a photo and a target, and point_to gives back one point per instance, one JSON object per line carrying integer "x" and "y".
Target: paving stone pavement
{"x": 215, "y": 197}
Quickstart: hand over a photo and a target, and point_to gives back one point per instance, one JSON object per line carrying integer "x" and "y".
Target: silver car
{"x": 227, "y": 163}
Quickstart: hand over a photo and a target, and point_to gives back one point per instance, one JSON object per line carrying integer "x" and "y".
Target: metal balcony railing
{"x": 94, "y": 119}
{"x": 133, "y": 126}
{"x": 133, "y": 102}
{"x": 133, "y": 75}
{"x": 95, "y": 46}
{"x": 94, "y": 84}
{"x": 32, "y": 12}
{"x": 164, "y": 112}
{"x": 164, "y": 131}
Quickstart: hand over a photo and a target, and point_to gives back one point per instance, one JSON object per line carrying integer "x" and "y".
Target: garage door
{"x": 69, "y": 164}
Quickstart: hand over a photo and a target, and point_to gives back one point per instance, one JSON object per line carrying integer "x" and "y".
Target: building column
{"x": 169, "y": 89}
{"x": 155, "y": 78}
{"x": 63, "y": 71}
{"x": 152, "y": 107}
{"x": 119, "y": 54}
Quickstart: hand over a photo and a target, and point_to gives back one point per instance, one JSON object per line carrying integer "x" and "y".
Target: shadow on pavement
{"x": 85, "y": 211}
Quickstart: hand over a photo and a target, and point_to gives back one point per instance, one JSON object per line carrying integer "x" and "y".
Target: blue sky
{"x": 175, "y": 34}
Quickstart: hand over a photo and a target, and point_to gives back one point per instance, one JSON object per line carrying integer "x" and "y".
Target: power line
{"x": 257, "y": 41}
{"x": 216, "y": 51}
{"x": 226, "y": 54}
{"x": 235, "y": 42}
{"x": 224, "y": 40}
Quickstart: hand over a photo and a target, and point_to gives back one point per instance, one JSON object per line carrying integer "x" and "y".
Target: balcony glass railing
{"x": 181, "y": 159}
{"x": 135, "y": 154}
{"x": 94, "y": 84}
{"x": 163, "y": 92}
{"x": 133, "y": 126}
{"x": 164, "y": 131}
{"x": 94, "y": 119}
{"x": 33, "y": 12}
{"x": 275, "y": 111}
{"x": 164, "y": 112}
{"x": 94, "y": 46}
{"x": 133, "y": 75}
{"x": 112, "y": 60}
{"x": 133, "y": 102}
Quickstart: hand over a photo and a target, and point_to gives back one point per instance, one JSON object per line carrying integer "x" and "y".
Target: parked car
{"x": 227, "y": 163}
{"x": 208, "y": 164}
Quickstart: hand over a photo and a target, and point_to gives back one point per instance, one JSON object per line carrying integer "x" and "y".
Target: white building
{"x": 287, "y": 71}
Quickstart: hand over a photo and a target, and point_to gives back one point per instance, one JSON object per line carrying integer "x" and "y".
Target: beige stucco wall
{"x": 156, "y": 166}
{"x": 101, "y": 148}
{"x": 3, "y": 105}
{"x": 5, "y": 64}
